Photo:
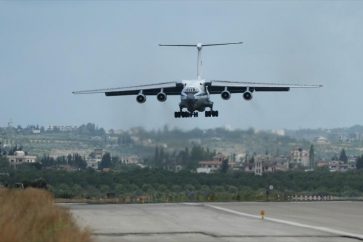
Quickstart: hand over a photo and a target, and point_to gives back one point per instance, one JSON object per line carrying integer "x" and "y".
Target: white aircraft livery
{"x": 195, "y": 94}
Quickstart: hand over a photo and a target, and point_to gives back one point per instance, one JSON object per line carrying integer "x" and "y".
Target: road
{"x": 298, "y": 221}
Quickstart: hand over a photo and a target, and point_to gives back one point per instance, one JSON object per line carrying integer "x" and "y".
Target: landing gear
{"x": 182, "y": 114}
{"x": 211, "y": 113}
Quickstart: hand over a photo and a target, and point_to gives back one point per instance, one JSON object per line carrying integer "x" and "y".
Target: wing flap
{"x": 272, "y": 89}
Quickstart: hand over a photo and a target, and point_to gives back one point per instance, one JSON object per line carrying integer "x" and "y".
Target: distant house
{"x": 36, "y": 131}
{"x": 322, "y": 164}
{"x": 341, "y": 166}
{"x": 300, "y": 157}
{"x": 210, "y": 166}
{"x": 264, "y": 164}
{"x": 19, "y": 157}
{"x": 249, "y": 167}
{"x": 131, "y": 160}
{"x": 282, "y": 163}
{"x": 95, "y": 158}
{"x": 321, "y": 140}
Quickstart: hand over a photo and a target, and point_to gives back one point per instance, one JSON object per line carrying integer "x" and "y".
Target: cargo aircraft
{"x": 195, "y": 94}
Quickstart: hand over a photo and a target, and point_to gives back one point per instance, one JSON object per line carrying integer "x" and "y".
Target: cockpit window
{"x": 191, "y": 90}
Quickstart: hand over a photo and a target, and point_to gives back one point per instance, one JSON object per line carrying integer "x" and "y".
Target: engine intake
{"x": 226, "y": 95}
{"x": 141, "y": 98}
{"x": 247, "y": 96}
{"x": 161, "y": 96}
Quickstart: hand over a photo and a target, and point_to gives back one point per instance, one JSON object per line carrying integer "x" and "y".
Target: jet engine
{"x": 161, "y": 96}
{"x": 247, "y": 96}
{"x": 226, "y": 95}
{"x": 141, "y": 98}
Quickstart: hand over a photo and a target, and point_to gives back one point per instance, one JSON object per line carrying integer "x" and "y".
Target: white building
{"x": 300, "y": 157}
{"x": 321, "y": 140}
{"x": 95, "y": 158}
{"x": 211, "y": 166}
{"x": 19, "y": 157}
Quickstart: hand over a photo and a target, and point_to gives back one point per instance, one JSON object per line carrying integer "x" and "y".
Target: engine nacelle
{"x": 141, "y": 98}
{"x": 226, "y": 95}
{"x": 247, "y": 96}
{"x": 161, "y": 96}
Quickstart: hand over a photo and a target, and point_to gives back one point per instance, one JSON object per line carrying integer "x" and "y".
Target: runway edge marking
{"x": 319, "y": 228}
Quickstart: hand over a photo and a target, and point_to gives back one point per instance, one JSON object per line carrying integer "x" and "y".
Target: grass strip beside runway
{"x": 31, "y": 215}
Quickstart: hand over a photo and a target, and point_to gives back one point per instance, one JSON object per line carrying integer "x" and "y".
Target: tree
{"x": 343, "y": 156}
{"x": 224, "y": 166}
{"x": 77, "y": 161}
{"x": 312, "y": 157}
{"x": 105, "y": 162}
{"x": 359, "y": 163}
{"x": 4, "y": 163}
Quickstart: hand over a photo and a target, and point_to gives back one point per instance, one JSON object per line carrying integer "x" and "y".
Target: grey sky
{"x": 49, "y": 49}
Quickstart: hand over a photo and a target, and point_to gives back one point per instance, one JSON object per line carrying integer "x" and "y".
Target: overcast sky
{"x": 49, "y": 49}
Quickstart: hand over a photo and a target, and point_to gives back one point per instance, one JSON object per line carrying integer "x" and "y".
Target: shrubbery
{"x": 31, "y": 215}
{"x": 157, "y": 185}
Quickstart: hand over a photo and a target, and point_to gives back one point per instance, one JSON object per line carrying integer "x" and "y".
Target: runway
{"x": 295, "y": 221}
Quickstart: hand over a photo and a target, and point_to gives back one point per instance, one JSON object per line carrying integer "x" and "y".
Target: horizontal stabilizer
{"x": 199, "y": 45}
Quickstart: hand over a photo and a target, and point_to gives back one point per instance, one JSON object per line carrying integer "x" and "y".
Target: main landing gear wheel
{"x": 182, "y": 114}
{"x": 211, "y": 113}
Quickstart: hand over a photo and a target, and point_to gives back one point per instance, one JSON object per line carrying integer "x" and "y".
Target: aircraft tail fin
{"x": 199, "y": 47}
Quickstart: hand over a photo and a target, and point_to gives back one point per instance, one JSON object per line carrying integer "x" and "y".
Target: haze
{"x": 49, "y": 49}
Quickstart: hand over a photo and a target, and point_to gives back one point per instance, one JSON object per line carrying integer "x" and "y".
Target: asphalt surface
{"x": 300, "y": 221}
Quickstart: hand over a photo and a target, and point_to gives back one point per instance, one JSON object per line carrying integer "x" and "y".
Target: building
{"x": 211, "y": 166}
{"x": 299, "y": 157}
{"x": 341, "y": 166}
{"x": 20, "y": 157}
{"x": 321, "y": 140}
{"x": 264, "y": 164}
{"x": 62, "y": 128}
{"x": 261, "y": 164}
{"x": 95, "y": 158}
{"x": 131, "y": 160}
{"x": 282, "y": 163}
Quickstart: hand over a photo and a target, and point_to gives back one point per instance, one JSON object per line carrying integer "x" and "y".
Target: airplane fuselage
{"x": 195, "y": 96}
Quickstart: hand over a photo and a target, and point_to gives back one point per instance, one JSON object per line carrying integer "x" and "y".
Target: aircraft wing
{"x": 218, "y": 86}
{"x": 169, "y": 88}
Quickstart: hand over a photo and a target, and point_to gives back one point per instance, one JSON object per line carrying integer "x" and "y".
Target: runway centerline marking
{"x": 296, "y": 224}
